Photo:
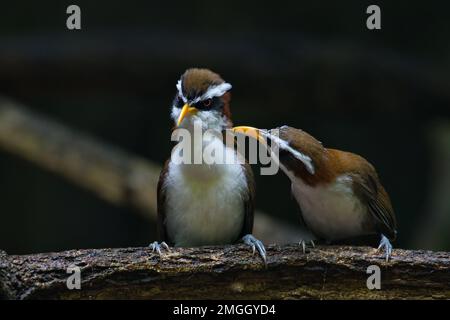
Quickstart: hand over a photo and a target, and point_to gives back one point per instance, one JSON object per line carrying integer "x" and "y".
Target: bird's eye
{"x": 207, "y": 103}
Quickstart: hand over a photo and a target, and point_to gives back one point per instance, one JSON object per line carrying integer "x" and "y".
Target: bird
{"x": 339, "y": 193}
{"x": 210, "y": 202}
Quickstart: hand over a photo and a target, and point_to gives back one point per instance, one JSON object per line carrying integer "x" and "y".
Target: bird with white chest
{"x": 339, "y": 193}
{"x": 210, "y": 202}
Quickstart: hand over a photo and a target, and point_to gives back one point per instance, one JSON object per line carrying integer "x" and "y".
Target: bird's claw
{"x": 303, "y": 244}
{"x": 386, "y": 244}
{"x": 155, "y": 246}
{"x": 255, "y": 244}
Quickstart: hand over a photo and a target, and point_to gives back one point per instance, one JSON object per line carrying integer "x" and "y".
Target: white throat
{"x": 207, "y": 119}
{"x": 205, "y": 203}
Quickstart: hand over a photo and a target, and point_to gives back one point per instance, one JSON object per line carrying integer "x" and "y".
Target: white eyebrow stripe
{"x": 213, "y": 91}
{"x": 180, "y": 91}
{"x": 307, "y": 161}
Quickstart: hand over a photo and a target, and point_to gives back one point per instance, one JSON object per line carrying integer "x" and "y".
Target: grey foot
{"x": 255, "y": 244}
{"x": 387, "y": 246}
{"x": 303, "y": 244}
{"x": 155, "y": 246}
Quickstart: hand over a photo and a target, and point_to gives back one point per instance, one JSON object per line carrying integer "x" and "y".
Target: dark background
{"x": 314, "y": 65}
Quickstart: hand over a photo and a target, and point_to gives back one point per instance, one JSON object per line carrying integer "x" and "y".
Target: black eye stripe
{"x": 178, "y": 101}
{"x": 209, "y": 104}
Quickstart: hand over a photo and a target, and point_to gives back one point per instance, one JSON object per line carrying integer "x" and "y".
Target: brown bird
{"x": 339, "y": 193}
{"x": 207, "y": 202}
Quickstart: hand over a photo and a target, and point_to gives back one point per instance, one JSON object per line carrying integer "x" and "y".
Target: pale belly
{"x": 331, "y": 212}
{"x": 205, "y": 210}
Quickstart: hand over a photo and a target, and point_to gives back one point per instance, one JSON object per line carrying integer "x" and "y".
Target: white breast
{"x": 332, "y": 211}
{"x": 205, "y": 203}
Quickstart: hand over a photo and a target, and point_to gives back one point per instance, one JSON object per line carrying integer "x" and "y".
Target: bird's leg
{"x": 255, "y": 244}
{"x": 155, "y": 246}
{"x": 384, "y": 243}
{"x": 303, "y": 244}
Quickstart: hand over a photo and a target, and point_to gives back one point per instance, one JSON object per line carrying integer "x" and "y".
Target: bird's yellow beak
{"x": 187, "y": 109}
{"x": 250, "y": 132}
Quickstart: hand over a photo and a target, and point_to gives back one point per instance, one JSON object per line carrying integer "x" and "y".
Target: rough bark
{"x": 229, "y": 272}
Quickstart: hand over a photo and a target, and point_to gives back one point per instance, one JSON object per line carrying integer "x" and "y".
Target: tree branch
{"x": 229, "y": 272}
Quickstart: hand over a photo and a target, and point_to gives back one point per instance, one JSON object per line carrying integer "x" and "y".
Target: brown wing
{"x": 367, "y": 186}
{"x": 161, "y": 208}
{"x": 249, "y": 201}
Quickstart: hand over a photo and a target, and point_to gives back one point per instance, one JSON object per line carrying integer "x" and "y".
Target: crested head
{"x": 206, "y": 95}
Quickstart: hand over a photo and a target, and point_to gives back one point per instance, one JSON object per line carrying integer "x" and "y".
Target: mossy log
{"x": 230, "y": 272}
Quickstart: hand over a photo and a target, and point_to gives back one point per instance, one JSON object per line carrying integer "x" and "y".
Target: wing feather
{"x": 249, "y": 201}
{"x": 161, "y": 206}
{"x": 378, "y": 202}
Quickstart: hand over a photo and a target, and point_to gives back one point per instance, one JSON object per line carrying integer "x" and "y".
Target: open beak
{"x": 187, "y": 109}
{"x": 250, "y": 132}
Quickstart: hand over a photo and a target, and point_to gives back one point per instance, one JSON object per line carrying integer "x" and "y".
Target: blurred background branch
{"x": 112, "y": 174}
